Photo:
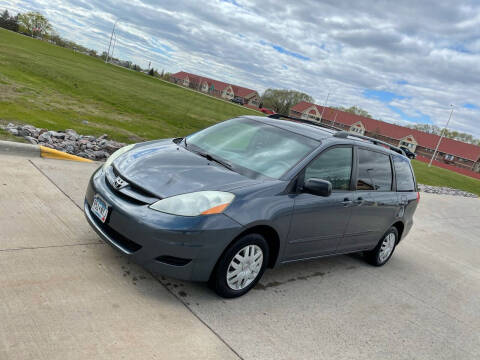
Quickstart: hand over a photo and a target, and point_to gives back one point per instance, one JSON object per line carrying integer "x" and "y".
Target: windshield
{"x": 253, "y": 145}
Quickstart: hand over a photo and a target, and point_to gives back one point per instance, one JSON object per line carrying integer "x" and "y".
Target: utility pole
{"x": 114, "y": 43}
{"x": 441, "y": 137}
{"x": 335, "y": 118}
{"x": 326, "y": 101}
{"x": 110, "y": 44}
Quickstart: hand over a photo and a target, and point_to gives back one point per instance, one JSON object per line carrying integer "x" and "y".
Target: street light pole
{"x": 114, "y": 43}
{"x": 441, "y": 137}
{"x": 326, "y": 101}
{"x": 335, "y": 118}
{"x": 111, "y": 37}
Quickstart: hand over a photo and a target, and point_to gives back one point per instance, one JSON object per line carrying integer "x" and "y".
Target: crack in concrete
{"x": 51, "y": 246}
{"x": 53, "y": 182}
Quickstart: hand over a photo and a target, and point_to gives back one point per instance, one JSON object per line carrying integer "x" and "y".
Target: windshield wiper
{"x": 217, "y": 160}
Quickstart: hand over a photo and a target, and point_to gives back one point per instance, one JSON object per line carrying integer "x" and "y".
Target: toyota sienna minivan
{"x": 223, "y": 204}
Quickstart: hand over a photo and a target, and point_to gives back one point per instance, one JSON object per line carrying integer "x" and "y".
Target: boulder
{"x": 45, "y": 137}
{"x": 100, "y": 155}
{"x": 113, "y": 146}
{"x": 31, "y": 140}
{"x": 71, "y": 132}
{"x": 58, "y": 135}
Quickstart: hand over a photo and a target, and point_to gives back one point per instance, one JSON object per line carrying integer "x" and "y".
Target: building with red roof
{"x": 217, "y": 88}
{"x": 453, "y": 152}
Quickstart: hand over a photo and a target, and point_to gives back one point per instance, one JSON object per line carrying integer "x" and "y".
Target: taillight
{"x": 418, "y": 196}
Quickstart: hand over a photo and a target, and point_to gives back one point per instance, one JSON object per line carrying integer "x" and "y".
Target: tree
{"x": 281, "y": 100}
{"x": 355, "y": 110}
{"x": 166, "y": 76}
{"x": 8, "y": 22}
{"x": 34, "y": 23}
{"x": 151, "y": 72}
{"x": 5, "y": 16}
{"x": 452, "y": 134}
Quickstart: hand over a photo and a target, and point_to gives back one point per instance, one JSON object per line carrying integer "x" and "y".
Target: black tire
{"x": 374, "y": 257}
{"x": 218, "y": 280}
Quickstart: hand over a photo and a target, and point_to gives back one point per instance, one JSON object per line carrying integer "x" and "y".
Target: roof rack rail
{"x": 305, "y": 121}
{"x": 340, "y": 132}
{"x": 345, "y": 134}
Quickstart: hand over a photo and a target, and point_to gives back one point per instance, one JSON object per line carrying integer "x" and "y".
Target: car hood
{"x": 165, "y": 169}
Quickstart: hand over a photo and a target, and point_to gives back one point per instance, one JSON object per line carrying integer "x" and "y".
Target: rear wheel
{"x": 385, "y": 248}
{"x": 241, "y": 266}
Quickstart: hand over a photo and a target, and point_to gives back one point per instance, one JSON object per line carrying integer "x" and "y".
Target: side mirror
{"x": 318, "y": 187}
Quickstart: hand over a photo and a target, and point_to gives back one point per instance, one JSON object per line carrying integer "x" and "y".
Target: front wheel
{"x": 241, "y": 266}
{"x": 384, "y": 250}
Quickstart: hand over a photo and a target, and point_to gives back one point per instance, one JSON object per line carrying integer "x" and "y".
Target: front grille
{"x": 120, "y": 240}
{"x": 131, "y": 192}
{"x": 124, "y": 195}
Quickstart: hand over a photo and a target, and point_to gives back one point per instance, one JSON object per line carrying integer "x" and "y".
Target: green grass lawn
{"x": 442, "y": 177}
{"x": 48, "y": 86}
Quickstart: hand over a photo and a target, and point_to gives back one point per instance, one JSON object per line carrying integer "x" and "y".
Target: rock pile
{"x": 442, "y": 190}
{"x": 68, "y": 141}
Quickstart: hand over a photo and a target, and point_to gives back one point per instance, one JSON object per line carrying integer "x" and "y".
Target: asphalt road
{"x": 66, "y": 295}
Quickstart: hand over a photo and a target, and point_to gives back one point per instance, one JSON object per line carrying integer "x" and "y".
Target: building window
{"x": 406, "y": 144}
{"x": 449, "y": 157}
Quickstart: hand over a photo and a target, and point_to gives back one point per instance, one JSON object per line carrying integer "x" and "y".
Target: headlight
{"x": 116, "y": 154}
{"x": 193, "y": 204}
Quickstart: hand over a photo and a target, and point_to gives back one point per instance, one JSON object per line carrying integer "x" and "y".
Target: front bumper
{"x": 181, "y": 247}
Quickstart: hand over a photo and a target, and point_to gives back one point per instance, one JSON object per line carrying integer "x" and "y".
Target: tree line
{"x": 281, "y": 101}
{"x": 452, "y": 134}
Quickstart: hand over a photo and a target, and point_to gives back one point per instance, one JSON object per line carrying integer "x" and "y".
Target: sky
{"x": 402, "y": 61}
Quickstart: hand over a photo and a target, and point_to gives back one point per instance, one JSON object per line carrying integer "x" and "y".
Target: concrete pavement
{"x": 66, "y": 295}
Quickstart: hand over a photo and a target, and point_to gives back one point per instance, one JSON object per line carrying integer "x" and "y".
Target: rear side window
{"x": 374, "y": 171}
{"x": 334, "y": 165}
{"x": 403, "y": 173}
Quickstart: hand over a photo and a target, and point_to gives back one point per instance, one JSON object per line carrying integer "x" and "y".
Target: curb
{"x": 29, "y": 150}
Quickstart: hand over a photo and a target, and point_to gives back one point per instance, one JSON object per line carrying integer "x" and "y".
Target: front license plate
{"x": 100, "y": 208}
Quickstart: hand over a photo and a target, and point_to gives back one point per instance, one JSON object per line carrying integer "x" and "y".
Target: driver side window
{"x": 334, "y": 165}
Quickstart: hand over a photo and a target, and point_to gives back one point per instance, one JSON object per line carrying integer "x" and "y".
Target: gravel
{"x": 69, "y": 141}
{"x": 442, "y": 190}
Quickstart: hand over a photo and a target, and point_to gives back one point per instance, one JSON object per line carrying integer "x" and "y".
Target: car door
{"x": 318, "y": 223}
{"x": 374, "y": 202}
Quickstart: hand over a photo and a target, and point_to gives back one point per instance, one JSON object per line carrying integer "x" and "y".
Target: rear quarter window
{"x": 374, "y": 171}
{"x": 403, "y": 173}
